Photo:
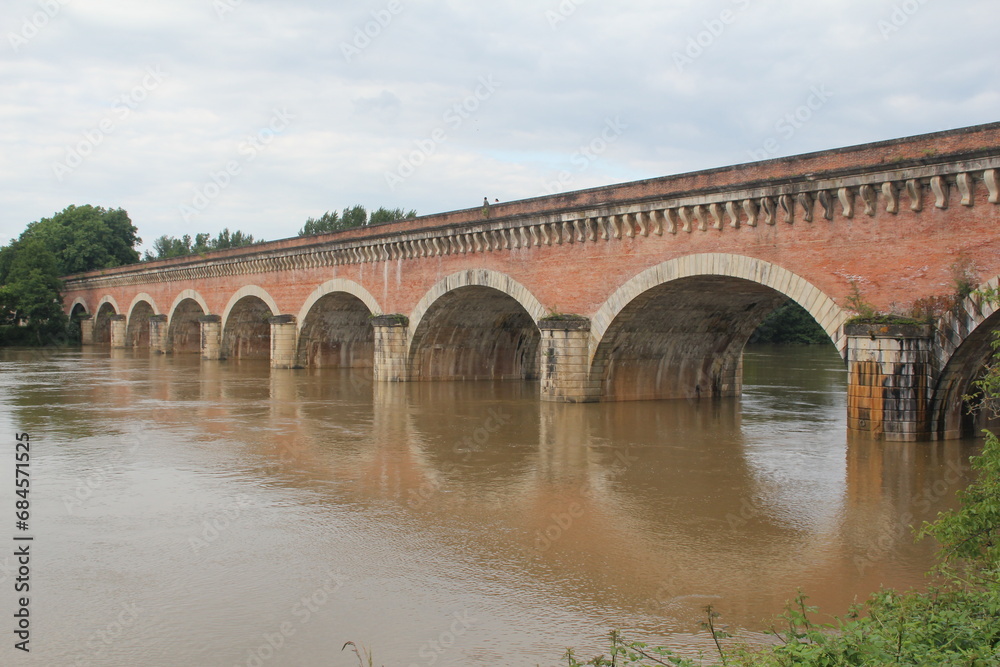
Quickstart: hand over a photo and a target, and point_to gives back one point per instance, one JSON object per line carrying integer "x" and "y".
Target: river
{"x": 220, "y": 513}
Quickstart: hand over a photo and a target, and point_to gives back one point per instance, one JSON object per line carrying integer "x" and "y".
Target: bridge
{"x": 644, "y": 290}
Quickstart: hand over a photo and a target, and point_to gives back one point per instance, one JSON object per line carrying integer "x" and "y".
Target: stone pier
{"x": 118, "y": 337}
{"x": 283, "y": 341}
{"x": 565, "y": 361}
{"x": 211, "y": 337}
{"x": 87, "y": 329}
{"x": 391, "y": 332}
{"x": 891, "y": 371}
{"x": 158, "y": 334}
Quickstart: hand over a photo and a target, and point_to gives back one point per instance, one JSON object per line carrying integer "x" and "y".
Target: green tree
{"x": 349, "y": 218}
{"x": 328, "y": 222}
{"x": 383, "y": 214}
{"x": 31, "y": 310}
{"x": 790, "y": 324}
{"x": 84, "y": 238}
{"x": 166, "y": 247}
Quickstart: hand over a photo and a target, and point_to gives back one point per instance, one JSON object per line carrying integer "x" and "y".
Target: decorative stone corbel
{"x": 891, "y": 195}
{"x": 966, "y": 186}
{"x": 846, "y": 196}
{"x": 670, "y": 216}
{"x": 806, "y": 202}
{"x": 941, "y": 191}
{"x": 826, "y": 201}
{"x": 787, "y": 204}
{"x": 685, "y": 218}
{"x": 750, "y": 207}
{"x": 993, "y": 185}
{"x": 640, "y": 219}
{"x": 915, "y": 191}
{"x": 716, "y": 211}
{"x": 870, "y": 198}
{"x": 767, "y": 206}
{"x": 733, "y": 214}
{"x": 699, "y": 213}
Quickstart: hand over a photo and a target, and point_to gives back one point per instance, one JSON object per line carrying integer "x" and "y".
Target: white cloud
{"x": 356, "y": 117}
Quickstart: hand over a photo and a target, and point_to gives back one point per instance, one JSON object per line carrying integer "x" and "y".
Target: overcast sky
{"x": 194, "y": 115}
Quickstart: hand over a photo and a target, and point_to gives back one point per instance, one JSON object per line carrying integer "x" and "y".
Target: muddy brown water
{"x": 217, "y": 513}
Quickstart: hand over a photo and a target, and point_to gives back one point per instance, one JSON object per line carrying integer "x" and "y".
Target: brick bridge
{"x": 646, "y": 290}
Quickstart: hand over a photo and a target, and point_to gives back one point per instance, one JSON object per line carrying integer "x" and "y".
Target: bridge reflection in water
{"x": 217, "y": 497}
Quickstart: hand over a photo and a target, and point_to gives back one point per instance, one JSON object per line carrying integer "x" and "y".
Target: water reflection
{"x": 216, "y": 495}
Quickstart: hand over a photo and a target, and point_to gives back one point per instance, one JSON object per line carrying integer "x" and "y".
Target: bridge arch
{"x": 246, "y": 332}
{"x": 964, "y": 349}
{"x": 143, "y": 307}
{"x": 334, "y": 326}
{"x": 183, "y": 329}
{"x": 475, "y": 324}
{"x": 77, "y": 310}
{"x": 677, "y": 330}
{"x": 78, "y": 307}
{"x": 106, "y": 307}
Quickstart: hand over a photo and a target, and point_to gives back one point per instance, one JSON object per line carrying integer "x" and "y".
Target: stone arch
{"x": 246, "y": 331}
{"x": 137, "y": 326}
{"x": 964, "y": 348}
{"x": 189, "y": 294}
{"x": 677, "y": 330}
{"x": 334, "y": 326}
{"x": 338, "y": 285}
{"x": 183, "y": 328}
{"x": 245, "y": 291}
{"x": 78, "y": 303}
{"x": 106, "y": 307}
{"x": 77, "y": 311}
{"x": 475, "y": 324}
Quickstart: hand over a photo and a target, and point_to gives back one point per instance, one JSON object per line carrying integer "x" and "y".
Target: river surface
{"x": 220, "y": 513}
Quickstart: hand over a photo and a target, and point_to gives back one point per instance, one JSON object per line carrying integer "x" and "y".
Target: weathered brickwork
{"x": 672, "y": 273}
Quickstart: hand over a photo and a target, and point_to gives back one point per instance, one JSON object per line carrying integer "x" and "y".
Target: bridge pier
{"x": 891, "y": 371}
{"x": 158, "y": 334}
{"x": 118, "y": 337}
{"x": 391, "y": 333}
{"x": 211, "y": 337}
{"x": 284, "y": 341}
{"x": 86, "y": 329}
{"x": 565, "y": 361}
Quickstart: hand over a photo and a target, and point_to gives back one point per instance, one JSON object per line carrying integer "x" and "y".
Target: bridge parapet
{"x": 806, "y": 198}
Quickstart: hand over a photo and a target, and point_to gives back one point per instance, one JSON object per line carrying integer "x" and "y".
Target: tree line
{"x": 86, "y": 238}
{"x": 354, "y": 216}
